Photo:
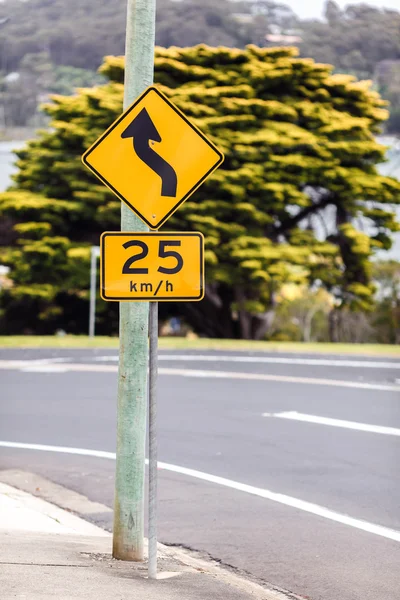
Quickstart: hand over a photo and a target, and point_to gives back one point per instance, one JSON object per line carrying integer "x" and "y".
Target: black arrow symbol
{"x": 143, "y": 130}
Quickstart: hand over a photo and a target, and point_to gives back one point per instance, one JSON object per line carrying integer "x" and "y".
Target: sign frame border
{"x": 151, "y": 233}
{"x": 86, "y": 155}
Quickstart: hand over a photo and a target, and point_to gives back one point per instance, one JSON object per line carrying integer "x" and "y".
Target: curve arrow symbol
{"x": 143, "y": 131}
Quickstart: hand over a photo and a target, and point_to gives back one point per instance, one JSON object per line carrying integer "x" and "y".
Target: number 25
{"x": 162, "y": 253}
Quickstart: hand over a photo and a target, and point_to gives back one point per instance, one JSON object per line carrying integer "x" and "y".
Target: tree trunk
{"x": 212, "y": 316}
{"x": 307, "y": 329}
{"x": 244, "y": 316}
{"x": 262, "y": 324}
{"x": 333, "y": 326}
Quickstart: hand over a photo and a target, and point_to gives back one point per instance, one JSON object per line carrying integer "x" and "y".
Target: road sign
{"x": 151, "y": 266}
{"x": 153, "y": 158}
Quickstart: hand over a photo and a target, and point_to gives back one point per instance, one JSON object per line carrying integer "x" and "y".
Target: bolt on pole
{"x": 128, "y": 534}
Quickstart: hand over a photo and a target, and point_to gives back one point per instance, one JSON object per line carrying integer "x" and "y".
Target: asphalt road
{"x": 311, "y": 506}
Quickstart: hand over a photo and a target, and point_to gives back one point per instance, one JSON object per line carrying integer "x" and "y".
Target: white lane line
{"x": 302, "y": 505}
{"x": 26, "y": 365}
{"x": 39, "y": 365}
{"x": 296, "y": 416}
{"x": 43, "y": 368}
{"x": 21, "y": 365}
{"x": 279, "y": 378}
{"x": 59, "y": 449}
{"x": 279, "y": 360}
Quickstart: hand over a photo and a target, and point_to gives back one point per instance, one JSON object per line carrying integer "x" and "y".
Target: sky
{"x": 314, "y": 8}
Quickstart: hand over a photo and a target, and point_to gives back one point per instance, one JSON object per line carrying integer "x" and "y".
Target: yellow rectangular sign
{"x": 153, "y": 158}
{"x": 151, "y": 266}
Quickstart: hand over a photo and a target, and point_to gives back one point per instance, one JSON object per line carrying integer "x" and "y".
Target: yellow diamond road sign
{"x": 151, "y": 266}
{"x": 153, "y": 158}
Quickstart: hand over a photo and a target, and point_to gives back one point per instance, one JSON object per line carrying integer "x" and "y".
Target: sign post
{"x": 153, "y": 378}
{"x": 128, "y": 533}
{"x": 153, "y": 158}
{"x": 94, "y": 253}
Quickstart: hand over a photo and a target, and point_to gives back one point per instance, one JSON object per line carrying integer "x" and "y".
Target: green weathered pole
{"x": 134, "y": 316}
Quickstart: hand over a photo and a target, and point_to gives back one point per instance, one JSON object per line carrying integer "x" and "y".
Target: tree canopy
{"x": 298, "y": 198}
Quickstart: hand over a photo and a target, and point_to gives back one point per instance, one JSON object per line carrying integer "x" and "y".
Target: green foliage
{"x": 36, "y": 78}
{"x": 286, "y": 205}
{"x": 361, "y": 40}
{"x": 67, "y": 79}
{"x": 354, "y": 39}
{"x": 78, "y": 34}
{"x": 386, "y": 319}
{"x": 75, "y": 32}
{"x": 21, "y": 93}
{"x": 305, "y": 315}
{"x": 302, "y": 315}
{"x": 387, "y": 78}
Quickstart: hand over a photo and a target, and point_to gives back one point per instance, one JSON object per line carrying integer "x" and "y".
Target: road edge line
{"x": 296, "y": 503}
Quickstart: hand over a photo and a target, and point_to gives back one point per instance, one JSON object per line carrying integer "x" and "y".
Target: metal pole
{"x": 133, "y": 354}
{"x": 153, "y": 375}
{"x": 92, "y": 307}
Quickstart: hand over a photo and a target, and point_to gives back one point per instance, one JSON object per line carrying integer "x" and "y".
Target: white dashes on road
{"x": 273, "y": 360}
{"x": 198, "y": 373}
{"x": 296, "y": 416}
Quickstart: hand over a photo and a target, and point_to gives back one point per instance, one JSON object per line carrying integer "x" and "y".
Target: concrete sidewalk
{"x": 47, "y": 552}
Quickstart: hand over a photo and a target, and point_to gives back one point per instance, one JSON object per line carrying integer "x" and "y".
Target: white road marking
{"x": 40, "y": 365}
{"x": 296, "y": 416}
{"x": 302, "y": 505}
{"x": 43, "y": 368}
{"x": 59, "y": 449}
{"x": 38, "y": 361}
{"x": 279, "y": 378}
{"x": 279, "y": 360}
{"x": 23, "y": 365}
{"x": 31, "y": 365}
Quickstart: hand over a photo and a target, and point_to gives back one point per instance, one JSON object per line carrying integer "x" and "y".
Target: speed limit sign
{"x": 151, "y": 266}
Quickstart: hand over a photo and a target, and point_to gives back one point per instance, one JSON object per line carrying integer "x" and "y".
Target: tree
{"x": 22, "y": 90}
{"x": 354, "y": 39}
{"x": 192, "y": 22}
{"x": 387, "y": 315}
{"x": 301, "y": 315}
{"x": 332, "y": 12}
{"x": 74, "y": 34}
{"x": 290, "y": 203}
{"x": 387, "y": 78}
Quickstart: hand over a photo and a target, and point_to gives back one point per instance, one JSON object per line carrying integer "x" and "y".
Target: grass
{"x": 80, "y": 341}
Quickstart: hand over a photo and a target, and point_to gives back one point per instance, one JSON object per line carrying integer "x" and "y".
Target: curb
{"x": 78, "y": 512}
{"x": 47, "y": 515}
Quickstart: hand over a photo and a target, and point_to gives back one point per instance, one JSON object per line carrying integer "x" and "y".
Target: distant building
{"x": 281, "y": 38}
